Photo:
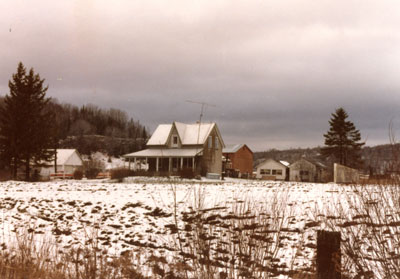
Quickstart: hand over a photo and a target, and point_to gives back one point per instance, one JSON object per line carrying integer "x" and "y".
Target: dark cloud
{"x": 275, "y": 71}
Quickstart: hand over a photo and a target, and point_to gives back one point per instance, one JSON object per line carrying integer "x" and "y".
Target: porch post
{"x": 181, "y": 162}
{"x": 193, "y": 164}
{"x": 146, "y": 164}
{"x": 157, "y": 164}
{"x": 135, "y": 166}
{"x": 169, "y": 164}
{"x": 129, "y": 163}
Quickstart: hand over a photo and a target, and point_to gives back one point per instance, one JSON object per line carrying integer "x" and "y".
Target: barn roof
{"x": 232, "y": 148}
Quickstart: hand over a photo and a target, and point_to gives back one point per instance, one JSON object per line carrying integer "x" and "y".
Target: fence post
{"x": 328, "y": 255}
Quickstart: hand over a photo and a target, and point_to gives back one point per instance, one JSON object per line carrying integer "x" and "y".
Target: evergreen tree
{"x": 26, "y": 129}
{"x": 342, "y": 141}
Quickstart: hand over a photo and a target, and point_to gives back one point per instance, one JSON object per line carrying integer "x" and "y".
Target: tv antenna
{"x": 203, "y": 105}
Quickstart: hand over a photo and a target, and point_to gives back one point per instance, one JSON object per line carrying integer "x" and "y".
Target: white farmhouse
{"x": 176, "y": 146}
{"x": 68, "y": 160}
{"x": 271, "y": 169}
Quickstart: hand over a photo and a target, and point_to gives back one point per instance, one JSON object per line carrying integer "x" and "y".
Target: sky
{"x": 271, "y": 72}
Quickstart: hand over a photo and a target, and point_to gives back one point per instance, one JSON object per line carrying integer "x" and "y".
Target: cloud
{"x": 274, "y": 70}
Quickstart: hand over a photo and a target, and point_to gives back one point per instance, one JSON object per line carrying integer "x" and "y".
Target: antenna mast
{"x": 203, "y": 104}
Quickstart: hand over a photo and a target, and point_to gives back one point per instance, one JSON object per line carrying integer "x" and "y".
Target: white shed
{"x": 68, "y": 160}
{"x": 271, "y": 169}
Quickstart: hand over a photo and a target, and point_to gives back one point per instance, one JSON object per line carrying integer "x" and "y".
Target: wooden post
{"x": 157, "y": 164}
{"x": 328, "y": 255}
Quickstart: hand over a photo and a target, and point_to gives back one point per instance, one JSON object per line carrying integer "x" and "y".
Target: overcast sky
{"x": 274, "y": 71}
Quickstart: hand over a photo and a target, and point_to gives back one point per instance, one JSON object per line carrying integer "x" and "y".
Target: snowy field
{"x": 145, "y": 215}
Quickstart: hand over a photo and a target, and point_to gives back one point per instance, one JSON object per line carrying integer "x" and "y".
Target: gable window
{"x": 174, "y": 141}
{"x": 210, "y": 142}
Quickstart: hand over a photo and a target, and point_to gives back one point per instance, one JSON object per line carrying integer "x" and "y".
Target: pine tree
{"x": 26, "y": 129}
{"x": 342, "y": 141}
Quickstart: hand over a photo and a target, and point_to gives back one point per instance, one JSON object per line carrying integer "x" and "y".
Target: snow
{"x": 121, "y": 213}
{"x": 160, "y": 135}
{"x": 190, "y": 134}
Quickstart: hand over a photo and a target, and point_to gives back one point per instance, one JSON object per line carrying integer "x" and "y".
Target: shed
{"x": 309, "y": 170}
{"x": 67, "y": 161}
{"x": 271, "y": 169}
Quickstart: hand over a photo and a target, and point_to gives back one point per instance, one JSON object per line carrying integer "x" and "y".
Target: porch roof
{"x": 164, "y": 152}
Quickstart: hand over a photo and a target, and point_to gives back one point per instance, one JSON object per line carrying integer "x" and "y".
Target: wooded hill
{"x": 89, "y": 128}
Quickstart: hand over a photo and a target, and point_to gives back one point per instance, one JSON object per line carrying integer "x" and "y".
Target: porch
{"x": 165, "y": 160}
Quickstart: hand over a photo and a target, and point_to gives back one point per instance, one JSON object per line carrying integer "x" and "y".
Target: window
{"x": 279, "y": 172}
{"x": 210, "y": 142}
{"x": 174, "y": 140}
{"x": 265, "y": 171}
{"x": 273, "y": 172}
{"x": 303, "y": 172}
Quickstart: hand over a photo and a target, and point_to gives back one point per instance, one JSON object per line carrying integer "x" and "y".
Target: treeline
{"x": 89, "y": 128}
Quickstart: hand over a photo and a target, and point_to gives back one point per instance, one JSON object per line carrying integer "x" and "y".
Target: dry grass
{"x": 30, "y": 259}
{"x": 244, "y": 243}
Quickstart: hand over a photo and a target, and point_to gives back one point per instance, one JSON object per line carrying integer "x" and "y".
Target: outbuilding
{"x": 271, "y": 169}
{"x": 67, "y": 162}
{"x": 238, "y": 160}
{"x": 309, "y": 170}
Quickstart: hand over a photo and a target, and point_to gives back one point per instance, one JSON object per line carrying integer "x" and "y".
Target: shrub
{"x": 92, "y": 173}
{"x": 5, "y": 174}
{"x": 187, "y": 173}
{"x": 78, "y": 174}
{"x": 121, "y": 173}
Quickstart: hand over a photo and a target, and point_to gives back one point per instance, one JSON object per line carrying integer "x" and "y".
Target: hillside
{"x": 89, "y": 128}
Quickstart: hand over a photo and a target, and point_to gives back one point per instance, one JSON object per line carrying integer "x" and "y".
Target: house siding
{"x": 211, "y": 161}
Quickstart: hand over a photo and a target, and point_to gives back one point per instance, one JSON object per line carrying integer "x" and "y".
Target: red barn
{"x": 238, "y": 160}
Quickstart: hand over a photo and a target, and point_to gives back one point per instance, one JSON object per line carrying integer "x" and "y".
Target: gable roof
{"x": 189, "y": 134}
{"x": 160, "y": 135}
{"x": 63, "y": 155}
{"x": 283, "y": 163}
{"x": 313, "y": 161}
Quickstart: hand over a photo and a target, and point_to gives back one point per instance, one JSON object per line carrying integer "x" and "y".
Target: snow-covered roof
{"x": 189, "y": 134}
{"x": 284, "y": 163}
{"x": 160, "y": 135}
{"x": 67, "y": 157}
{"x": 233, "y": 148}
{"x": 165, "y": 152}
